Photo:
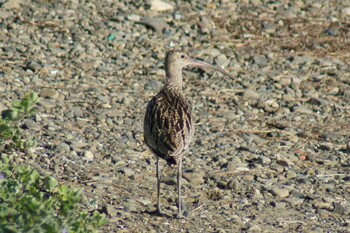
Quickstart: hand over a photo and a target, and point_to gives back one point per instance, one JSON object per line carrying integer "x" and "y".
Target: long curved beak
{"x": 198, "y": 63}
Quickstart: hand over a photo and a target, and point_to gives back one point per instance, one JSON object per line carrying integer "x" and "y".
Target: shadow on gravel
{"x": 156, "y": 213}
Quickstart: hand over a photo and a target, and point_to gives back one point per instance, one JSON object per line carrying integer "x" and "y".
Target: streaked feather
{"x": 168, "y": 125}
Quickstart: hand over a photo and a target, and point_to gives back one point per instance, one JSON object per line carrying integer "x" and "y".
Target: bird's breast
{"x": 168, "y": 124}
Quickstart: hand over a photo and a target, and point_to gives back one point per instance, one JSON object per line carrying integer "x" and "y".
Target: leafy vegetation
{"x": 31, "y": 203}
{"x": 10, "y": 132}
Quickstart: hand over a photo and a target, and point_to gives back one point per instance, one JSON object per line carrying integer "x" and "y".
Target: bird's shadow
{"x": 156, "y": 213}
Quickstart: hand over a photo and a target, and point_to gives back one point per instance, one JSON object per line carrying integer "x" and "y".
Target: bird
{"x": 168, "y": 121}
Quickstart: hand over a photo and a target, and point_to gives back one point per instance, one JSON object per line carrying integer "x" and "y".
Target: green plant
{"x": 31, "y": 203}
{"x": 10, "y": 132}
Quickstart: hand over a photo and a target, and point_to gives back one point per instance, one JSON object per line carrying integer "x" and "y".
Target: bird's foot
{"x": 160, "y": 212}
{"x": 181, "y": 216}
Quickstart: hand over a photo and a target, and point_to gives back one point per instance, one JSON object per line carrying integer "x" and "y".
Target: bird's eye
{"x": 182, "y": 56}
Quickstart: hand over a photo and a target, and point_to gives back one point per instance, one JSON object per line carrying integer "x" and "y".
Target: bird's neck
{"x": 174, "y": 79}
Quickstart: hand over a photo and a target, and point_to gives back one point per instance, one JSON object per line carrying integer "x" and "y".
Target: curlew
{"x": 168, "y": 124}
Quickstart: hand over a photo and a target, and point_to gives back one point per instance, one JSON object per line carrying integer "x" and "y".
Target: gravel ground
{"x": 270, "y": 151}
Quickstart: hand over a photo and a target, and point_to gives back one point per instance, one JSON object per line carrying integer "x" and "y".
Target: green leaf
{"x": 10, "y": 133}
{"x": 50, "y": 183}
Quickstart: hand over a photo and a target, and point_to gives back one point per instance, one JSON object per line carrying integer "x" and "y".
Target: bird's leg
{"x": 159, "y": 209}
{"x": 179, "y": 176}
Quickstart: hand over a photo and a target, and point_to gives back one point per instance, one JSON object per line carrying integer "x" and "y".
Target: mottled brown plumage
{"x": 170, "y": 130}
{"x": 168, "y": 124}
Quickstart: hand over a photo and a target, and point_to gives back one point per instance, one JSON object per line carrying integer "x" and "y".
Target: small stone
{"x": 291, "y": 175}
{"x": 264, "y": 160}
{"x": 77, "y": 111}
{"x": 212, "y": 52}
{"x": 134, "y": 17}
{"x": 254, "y": 228}
{"x": 248, "y": 178}
{"x": 62, "y": 147}
{"x": 221, "y": 185}
{"x": 279, "y": 205}
{"x": 271, "y": 105}
{"x": 222, "y": 61}
{"x": 30, "y": 124}
{"x": 33, "y": 66}
{"x": 49, "y": 93}
{"x": 47, "y": 103}
{"x": 298, "y": 194}
{"x": 145, "y": 201}
{"x": 323, "y": 205}
{"x": 169, "y": 180}
{"x": 128, "y": 172}
{"x": 347, "y": 94}
{"x": 194, "y": 178}
{"x": 318, "y": 101}
{"x": 156, "y": 24}
{"x": 301, "y": 59}
{"x": 153, "y": 85}
{"x": 346, "y": 11}
{"x": 13, "y": 4}
{"x": 342, "y": 208}
{"x": 280, "y": 192}
{"x": 301, "y": 109}
{"x": 285, "y": 81}
{"x": 270, "y": 28}
{"x": 294, "y": 201}
{"x": 157, "y": 5}
{"x": 250, "y": 94}
{"x": 111, "y": 210}
{"x": 260, "y": 60}
{"x": 105, "y": 106}
{"x": 232, "y": 184}
{"x": 88, "y": 155}
{"x": 331, "y": 31}
{"x": 287, "y": 97}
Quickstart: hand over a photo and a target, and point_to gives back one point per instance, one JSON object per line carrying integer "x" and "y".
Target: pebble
{"x": 264, "y": 160}
{"x": 195, "y": 178}
{"x": 169, "y": 180}
{"x": 260, "y": 60}
{"x": 111, "y": 210}
{"x": 30, "y": 124}
{"x": 62, "y": 147}
{"x": 280, "y": 192}
{"x": 279, "y": 205}
{"x": 346, "y": 11}
{"x": 153, "y": 85}
{"x": 13, "y": 4}
{"x": 157, "y": 5}
{"x": 156, "y": 24}
{"x": 301, "y": 109}
{"x": 232, "y": 184}
{"x": 88, "y": 155}
{"x": 270, "y": 28}
{"x": 324, "y": 205}
{"x": 49, "y": 93}
{"x": 145, "y": 201}
{"x": 254, "y": 228}
{"x": 294, "y": 201}
{"x": 222, "y": 61}
{"x": 250, "y": 94}
{"x": 342, "y": 208}
{"x": 33, "y": 66}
